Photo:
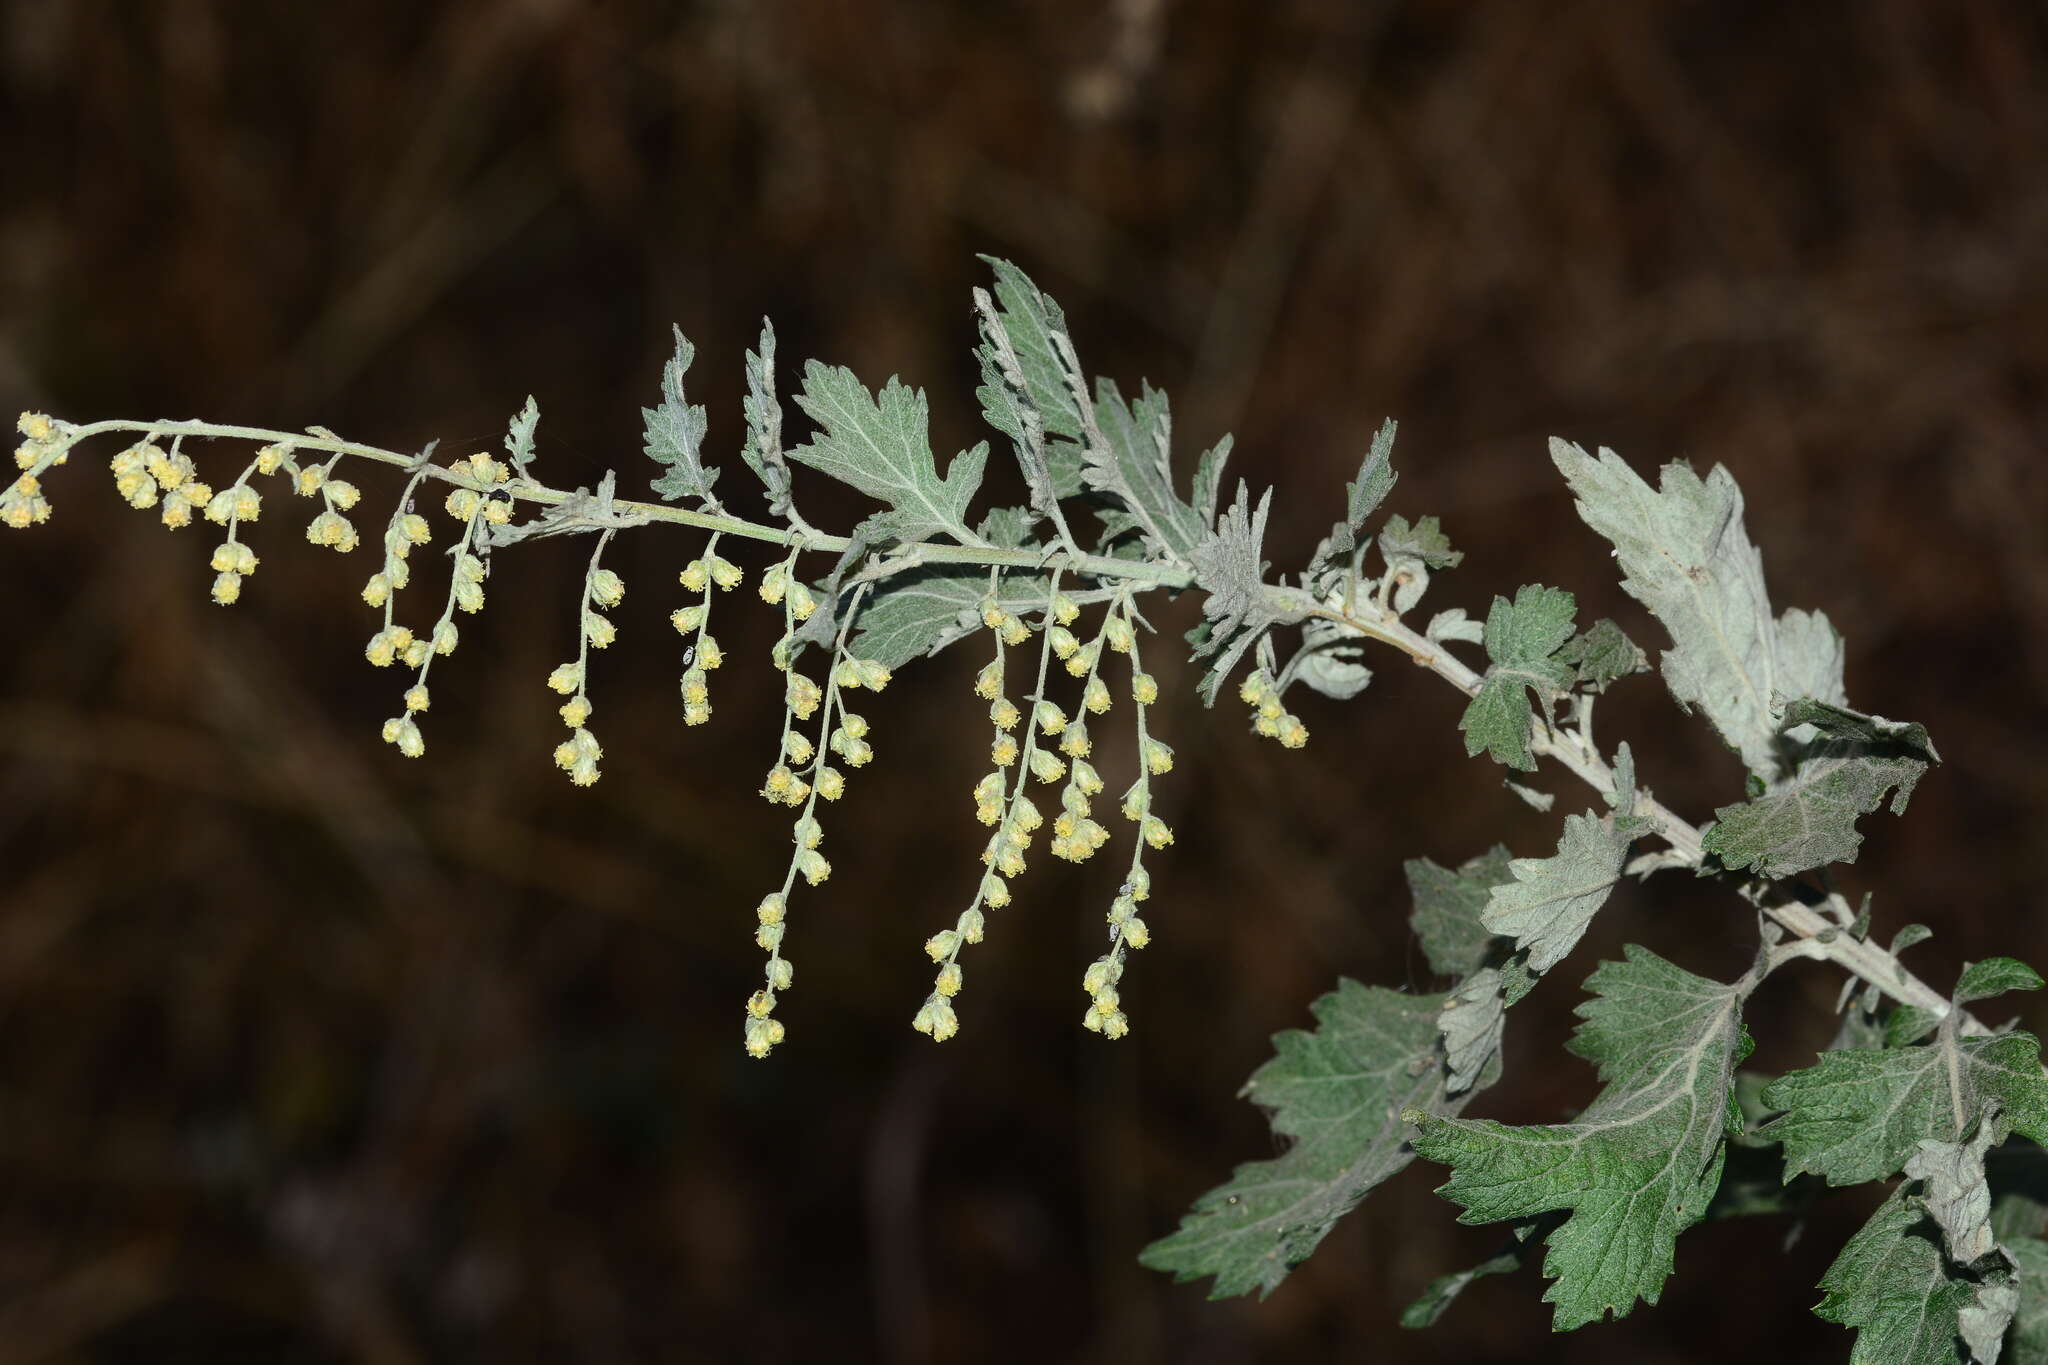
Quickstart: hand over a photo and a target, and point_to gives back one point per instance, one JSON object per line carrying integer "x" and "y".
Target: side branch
{"x": 1819, "y": 935}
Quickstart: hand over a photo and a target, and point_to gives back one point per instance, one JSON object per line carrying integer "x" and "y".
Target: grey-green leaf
{"x": 1448, "y": 905}
{"x": 1431, "y": 1303}
{"x": 1685, "y": 555}
{"x": 1136, "y": 465}
{"x": 519, "y": 437}
{"x": 1640, "y": 1164}
{"x": 921, "y": 611}
{"x": 1339, "y": 1093}
{"x": 1229, "y": 568}
{"x": 1522, "y": 640}
{"x": 1958, "y": 1196}
{"x": 878, "y": 444}
{"x": 1841, "y": 774}
{"x": 1894, "y": 1287}
{"x": 1548, "y": 905}
{"x": 1362, "y": 497}
{"x": 674, "y": 432}
{"x": 1994, "y": 976}
{"x": 763, "y": 410}
{"x": 1858, "y": 1115}
{"x": 1601, "y": 654}
{"x": 1472, "y": 1021}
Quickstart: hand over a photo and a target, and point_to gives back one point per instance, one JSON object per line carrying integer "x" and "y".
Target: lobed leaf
{"x": 1893, "y": 1285}
{"x": 921, "y": 611}
{"x": 1602, "y": 654}
{"x": 1685, "y": 555}
{"x": 1549, "y": 902}
{"x": 763, "y": 411}
{"x": 674, "y": 433}
{"x": 1362, "y": 497}
{"x": 519, "y": 438}
{"x": 1858, "y": 1115}
{"x": 1136, "y": 465}
{"x": 1522, "y": 638}
{"x": 1841, "y": 774}
{"x": 1640, "y": 1164}
{"x": 878, "y": 444}
{"x": 1448, "y": 905}
{"x": 1339, "y": 1092}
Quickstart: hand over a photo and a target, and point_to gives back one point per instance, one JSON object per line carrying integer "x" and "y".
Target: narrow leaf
{"x": 519, "y": 437}
{"x": 1362, "y": 497}
{"x": 1136, "y": 466}
{"x": 1994, "y": 976}
{"x": 763, "y": 409}
{"x": 674, "y": 433}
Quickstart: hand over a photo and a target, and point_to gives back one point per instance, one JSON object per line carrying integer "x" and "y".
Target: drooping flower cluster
{"x": 1270, "y": 719}
{"x": 694, "y": 623}
{"x": 800, "y": 777}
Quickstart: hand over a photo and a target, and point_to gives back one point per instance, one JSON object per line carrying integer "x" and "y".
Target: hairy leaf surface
{"x": 763, "y": 409}
{"x": 1339, "y": 1093}
{"x": 1550, "y": 901}
{"x": 674, "y": 432}
{"x": 1362, "y": 497}
{"x": 1522, "y": 639}
{"x": 1685, "y": 555}
{"x": 1640, "y": 1164}
{"x": 1893, "y": 1285}
{"x": 1448, "y": 905}
{"x": 1137, "y": 467}
{"x": 921, "y": 611}
{"x": 1842, "y": 774}
{"x": 1859, "y": 1115}
{"x": 877, "y": 443}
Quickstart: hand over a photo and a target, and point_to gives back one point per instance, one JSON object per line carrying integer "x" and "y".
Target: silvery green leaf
{"x": 1600, "y": 654}
{"x": 879, "y": 446}
{"x": 1893, "y": 1285}
{"x": 1859, "y": 1115}
{"x": 1685, "y": 555}
{"x": 763, "y": 409}
{"x": 921, "y": 611}
{"x": 1030, "y": 320}
{"x": 1983, "y": 1321}
{"x": 1423, "y": 543}
{"x": 1548, "y": 905}
{"x": 1522, "y": 638}
{"x": 1228, "y": 567}
{"x": 1841, "y": 774}
{"x": 1640, "y": 1164}
{"x": 1362, "y": 497}
{"x": 674, "y": 433}
{"x": 1339, "y": 1092}
{"x": 1007, "y": 403}
{"x": 1994, "y": 976}
{"x": 1957, "y": 1194}
{"x": 1008, "y": 528}
{"x": 1134, "y": 464}
{"x": 519, "y": 438}
{"x": 1541, "y": 801}
{"x": 1471, "y": 1020}
{"x": 1208, "y": 484}
{"x": 1448, "y": 906}
{"x": 1454, "y": 625}
{"x": 1328, "y": 665}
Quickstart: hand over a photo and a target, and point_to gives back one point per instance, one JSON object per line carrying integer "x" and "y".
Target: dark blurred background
{"x": 313, "y": 1053}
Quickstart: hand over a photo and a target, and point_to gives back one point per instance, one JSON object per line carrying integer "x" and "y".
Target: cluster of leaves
{"x": 1950, "y": 1267}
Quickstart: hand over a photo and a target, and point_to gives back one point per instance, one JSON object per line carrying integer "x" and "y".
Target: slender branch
{"x": 1165, "y": 575}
